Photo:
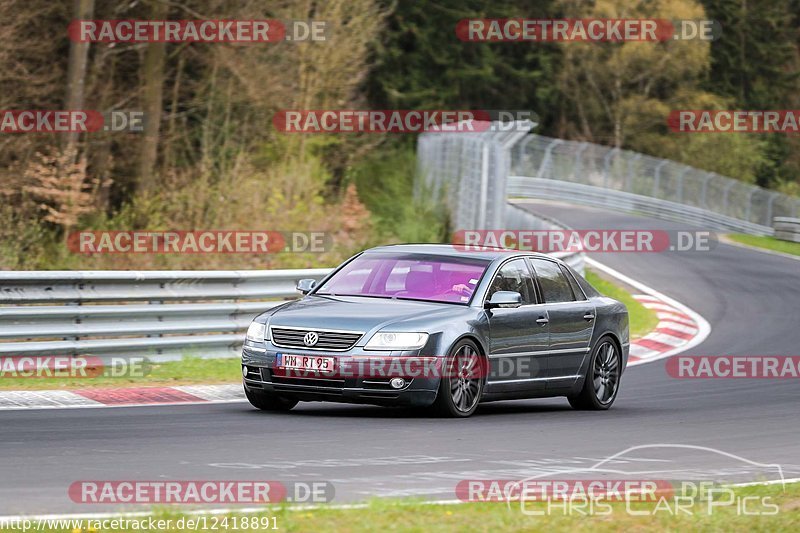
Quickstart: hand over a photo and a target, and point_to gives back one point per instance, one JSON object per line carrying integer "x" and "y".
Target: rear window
{"x": 554, "y": 284}
{"x": 576, "y": 289}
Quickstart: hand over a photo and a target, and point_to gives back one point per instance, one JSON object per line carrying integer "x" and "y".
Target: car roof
{"x": 454, "y": 250}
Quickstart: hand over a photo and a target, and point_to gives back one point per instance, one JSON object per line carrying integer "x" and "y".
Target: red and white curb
{"x": 679, "y": 329}
{"x": 675, "y": 329}
{"x": 128, "y": 397}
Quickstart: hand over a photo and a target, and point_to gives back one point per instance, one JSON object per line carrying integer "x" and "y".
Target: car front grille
{"x": 336, "y": 341}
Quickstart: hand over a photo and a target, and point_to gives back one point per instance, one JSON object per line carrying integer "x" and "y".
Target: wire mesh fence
{"x": 467, "y": 173}
{"x": 660, "y": 179}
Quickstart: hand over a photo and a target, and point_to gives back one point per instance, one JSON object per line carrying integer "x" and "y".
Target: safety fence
{"x": 161, "y": 315}
{"x": 475, "y": 174}
{"x": 158, "y": 315}
{"x": 602, "y": 176}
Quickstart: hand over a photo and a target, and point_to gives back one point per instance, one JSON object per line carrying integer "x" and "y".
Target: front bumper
{"x": 370, "y": 389}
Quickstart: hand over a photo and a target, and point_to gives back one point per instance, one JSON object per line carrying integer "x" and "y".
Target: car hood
{"x": 358, "y": 313}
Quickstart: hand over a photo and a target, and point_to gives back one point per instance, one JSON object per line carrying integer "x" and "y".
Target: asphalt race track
{"x": 749, "y": 298}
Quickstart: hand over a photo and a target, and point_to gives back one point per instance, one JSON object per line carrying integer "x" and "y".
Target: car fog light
{"x": 397, "y": 383}
{"x": 244, "y": 371}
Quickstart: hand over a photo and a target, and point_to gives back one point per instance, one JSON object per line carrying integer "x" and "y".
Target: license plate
{"x": 305, "y": 362}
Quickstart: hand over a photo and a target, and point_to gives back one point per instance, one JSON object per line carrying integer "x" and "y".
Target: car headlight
{"x": 387, "y": 340}
{"x": 256, "y": 332}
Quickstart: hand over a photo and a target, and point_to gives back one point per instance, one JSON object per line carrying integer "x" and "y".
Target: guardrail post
{"x": 484, "y": 198}
{"x": 704, "y": 193}
{"x": 681, "y": 177}
{"x": 629, "y": 176}
{"x": 725, "y": 196}
{"x": 547, "y": 155}
{"x": 579, "y": 160}
{"x": 749, "y": 210}
{"x": 607, "y": 165}
{"x": 522, "y": 149}
{"x": 774, "y": 196}
{"x": 657, "y": 177}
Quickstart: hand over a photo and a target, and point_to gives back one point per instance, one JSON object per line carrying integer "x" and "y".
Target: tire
{"x": 601, "y": 385}
{"x": 269, "y": 402}
{"x": 462, "y": 381}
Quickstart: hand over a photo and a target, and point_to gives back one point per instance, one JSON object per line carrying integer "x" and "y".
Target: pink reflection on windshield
{"x": 430, "y": 278}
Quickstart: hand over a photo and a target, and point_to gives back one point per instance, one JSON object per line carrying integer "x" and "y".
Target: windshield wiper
{"x": 429, "y": 301}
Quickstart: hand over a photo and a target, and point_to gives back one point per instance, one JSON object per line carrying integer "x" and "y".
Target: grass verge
{"x": 188, "y": 371}
{"x": 642, "y": 319}
{"x": 773, "y": 509}
{"x": 768, "y": 243}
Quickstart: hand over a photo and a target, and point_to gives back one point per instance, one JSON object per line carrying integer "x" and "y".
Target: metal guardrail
{"x": 161, "y": 315}
{"x": 628, "y": 180}
{"x": 546, "y": 189}
{"x": 787, "y": 229}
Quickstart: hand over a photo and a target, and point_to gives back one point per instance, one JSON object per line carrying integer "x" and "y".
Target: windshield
{"x": 407, "y": 276}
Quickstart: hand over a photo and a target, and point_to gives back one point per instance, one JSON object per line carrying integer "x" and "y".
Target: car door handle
{"x": 542, "y": 320}
{"x": 588, "y": 316}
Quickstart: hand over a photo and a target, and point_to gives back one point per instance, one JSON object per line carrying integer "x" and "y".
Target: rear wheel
{"x": 602, "y": 378}
{"x": 268, "y": 402}
{"x": 461, "y": 384}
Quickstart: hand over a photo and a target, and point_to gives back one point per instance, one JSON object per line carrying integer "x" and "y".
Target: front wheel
{"x": 461, "y": 384}
{"x": 268, "y": 402}
{"x": 602, "y": 378}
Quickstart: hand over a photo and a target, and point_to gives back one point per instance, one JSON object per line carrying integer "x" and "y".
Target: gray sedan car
{"x": 439, "y": 326}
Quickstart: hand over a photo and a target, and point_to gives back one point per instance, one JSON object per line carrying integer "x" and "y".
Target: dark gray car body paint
{"x": 447, "y": 324}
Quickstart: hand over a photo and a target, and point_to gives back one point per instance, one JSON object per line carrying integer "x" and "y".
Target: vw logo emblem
{"x": 311, "y": 338}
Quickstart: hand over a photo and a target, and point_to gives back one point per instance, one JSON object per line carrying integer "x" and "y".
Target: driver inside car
{"x": 422, "y": 281}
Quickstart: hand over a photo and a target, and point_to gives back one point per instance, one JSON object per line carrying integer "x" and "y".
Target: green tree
{"x": 755, "y": 62}
{"x": 420, "y": 63}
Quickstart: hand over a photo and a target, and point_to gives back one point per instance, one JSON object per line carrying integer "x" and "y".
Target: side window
{"x": 555, "y": 287}
{"x": 576, "y": 289}
{"x": 514, "y": 276}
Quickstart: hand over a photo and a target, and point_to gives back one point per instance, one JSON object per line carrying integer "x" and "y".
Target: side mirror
{"x": 305, "y": 285}
{"x": 508, "y": 299}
